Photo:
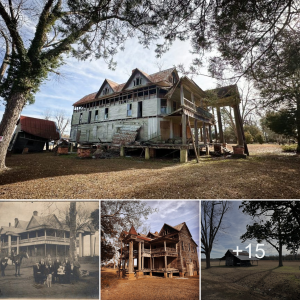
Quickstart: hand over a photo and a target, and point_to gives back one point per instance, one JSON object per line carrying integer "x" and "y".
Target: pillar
{"x": 196, "y": 135}
{"x": 183, "y": 128}
{"x": 18, "y": 244}
{"x": 71, "y": 147}
{"x": 45, "y": 249}
{"x": 181, "y": 95}
{"x": 45, "y": 234}
{"x": 130, "y": 274}
{"x": 209, "y": 133}
{"x": 166, "y": 264}
{"x": 139, "y": 258}
{"x": 183, "y": 155}
{"x": 55, "y": 250}
{"x": 92, "y": 245}
{"x": 122, "y": 151}
{"x": 238, "y": 126}
{"x": 147, "y": 153}
{"x": 80, "y": 244}
{"x": 220, "y": 125}
{"x": 171, "y": 275}
{"x": 204, "y": 134}
{"x": 165, "y": 246}
{"x": 9, "y": 245}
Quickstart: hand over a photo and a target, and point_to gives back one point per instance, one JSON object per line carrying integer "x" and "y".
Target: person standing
{"x": 3, "y": 265}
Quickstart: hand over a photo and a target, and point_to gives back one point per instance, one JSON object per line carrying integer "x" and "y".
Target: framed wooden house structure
{"x": 169, "y": 252}
{"x": 243, "y": 259}
{"x": 151, "y": 112}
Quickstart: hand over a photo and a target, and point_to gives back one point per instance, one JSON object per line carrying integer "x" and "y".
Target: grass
{"x": 289, "y": 148}
{"x": 265, "y": 281}
{"x": 267, "y": 173}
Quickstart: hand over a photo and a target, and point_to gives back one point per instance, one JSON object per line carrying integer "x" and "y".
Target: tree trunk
{"x": 280, "y": 255}
{"x": 10, "y": 117}
{"x": 207, "y": 259}
{"x": 298, "y": 123}
{"x": 73, "y": 252}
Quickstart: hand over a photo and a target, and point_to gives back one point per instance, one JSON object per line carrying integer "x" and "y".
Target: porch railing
{"x": 189, "y": 103}
{"x": 37, "y": 239}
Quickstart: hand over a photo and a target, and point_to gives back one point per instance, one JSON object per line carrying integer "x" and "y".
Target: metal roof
{"x": 38, "y": 127}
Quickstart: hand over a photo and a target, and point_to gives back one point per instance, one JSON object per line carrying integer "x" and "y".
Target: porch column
{"x": 80, "y": 244}
{"x": 238, "y": 126}
{"x": 130, "y": 264}
{"x": 220, "y": 125}
{"x": 18, "y": 244}
{"x": 209, "y": 133}
{"x": 166, "y": 265}
{"x": 196, "y": 135}
{"x": 181, "y": 95}
{"x": 9, "y": 245}
{"x": 183, "y": 129}
{"x": 139, "y": 258}
{"x": 45, "y": 235}
{"x": 64, "y": 236}
{"x": 92, "y": 245}
{"x": 165, "y": 248}
{"x": 45, "y": 249}
{"x": 204, "y": 133}
{"x": 55, "y": 250}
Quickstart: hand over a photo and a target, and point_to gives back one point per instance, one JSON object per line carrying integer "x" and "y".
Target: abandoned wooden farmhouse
{"x": 155, "y": 112}
{"x": 33, "y": 134}
{"x": 42, "y": 235}
{"x": 232, "y": 259}
{"x": 172, "y": 251}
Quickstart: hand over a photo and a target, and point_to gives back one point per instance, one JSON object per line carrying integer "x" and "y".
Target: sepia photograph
{"x": 149, "y": 250}
{"x": 49, "y": 250}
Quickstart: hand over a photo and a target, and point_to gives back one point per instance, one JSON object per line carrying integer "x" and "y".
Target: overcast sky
{"x": 235, "y": 225}
{"x": 24, "y": 211}
{"x": 81, "y": 78}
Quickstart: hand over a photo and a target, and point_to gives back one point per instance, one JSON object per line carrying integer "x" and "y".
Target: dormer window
{"x": 106, "y": 91}
{"x": 137, "y": 81}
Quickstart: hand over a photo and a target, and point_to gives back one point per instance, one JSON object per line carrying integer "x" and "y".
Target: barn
{"x": 243, "y": 259}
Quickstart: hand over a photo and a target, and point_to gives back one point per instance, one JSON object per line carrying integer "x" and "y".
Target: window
{"x": 96, "y": 115}
{"x": 129, "y": 110}
{"x": 89, "y": 117}
{"x": 80, "y": 118}
{"x": 137, "y": 81}
{"x": 163, "y": 106}
{"x": 140, "y": 109}
{"x": 106, "y": 113}
{"x": 174, "y": 106}
{"x": 106, "y": 91}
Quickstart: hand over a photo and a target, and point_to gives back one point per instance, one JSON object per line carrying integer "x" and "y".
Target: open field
{"x": 267, "y": 173}
{"x": 265, "y": 281}
{"x": 24, "y": 286}
{"x": 148, "y": 288}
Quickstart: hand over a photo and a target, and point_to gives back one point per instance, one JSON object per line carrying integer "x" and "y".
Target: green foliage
{"x": 248, "y": 137}
{"x": 289, "y": 148}
{"x": 282, "y": 122}
{"x": 259, "y": 138}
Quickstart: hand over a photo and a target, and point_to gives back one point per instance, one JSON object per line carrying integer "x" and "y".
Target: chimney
{"x": 35, "y": 213}
{"x": 16, "y": 222}
{"x": 9, "y": 224}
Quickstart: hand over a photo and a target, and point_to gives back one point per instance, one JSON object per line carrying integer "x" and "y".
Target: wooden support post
{"x": 204, "y": 133}
{"x": 139, "y": 259}
{"x": 195, "y": 149}
{"x": 181, "y": 95}
{"x": 147, "y": 153}
{"x": 183, "y": 129}
{"x": 209, "y": 133}
{"x": 122, "y": 151}
{"x": 183, "y": 155}
{"x": 220, "y": 126}
{"x": 238, "y": 126}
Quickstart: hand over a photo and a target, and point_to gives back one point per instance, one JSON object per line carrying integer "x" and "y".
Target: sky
{"x": 80, "y": 78}
{"x": 10, "y": 210}
{"x": 235, "y": 223}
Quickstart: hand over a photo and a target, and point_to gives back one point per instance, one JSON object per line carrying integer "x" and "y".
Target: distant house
{"x": 171, "y": 251}
{"x": 33, "y": 133}
{"x": 243, "y": 259}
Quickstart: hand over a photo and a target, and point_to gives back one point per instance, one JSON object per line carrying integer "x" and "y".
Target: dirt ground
{"x": 265, "y": 281}
{"x": 148, "y": 288}
{"x": 25, "y": 287}
{"x": 266, "y": 173}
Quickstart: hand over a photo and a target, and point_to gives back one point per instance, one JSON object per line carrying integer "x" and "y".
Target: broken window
{"x": 96, "y": 115}
{"x": 106, "y": 113}
{"x": 129, "y": 110}
{"x": 80, "y": 118}
{"x": 89, "y": 117}
{"x": 106, "y": 91}
{"x": 163, "y": 106}
{"x": 137, "y": 81}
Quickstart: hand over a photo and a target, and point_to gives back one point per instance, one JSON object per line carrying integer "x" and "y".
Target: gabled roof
{"x": 242, "y": 255}
{"x": 22, "y": 224}
{"x": 49, "y": 221}
{"x": 153, "y": 78}
{"x": 39, "y": 127}
{"x": 132, "y": 231}
{"x": 11, "y": 230}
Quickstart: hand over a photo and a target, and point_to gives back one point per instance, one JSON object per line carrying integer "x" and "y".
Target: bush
{"x": 289, "y": 148}
{"x": 248, "y": 137}
{"x": 259, "y": 138}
